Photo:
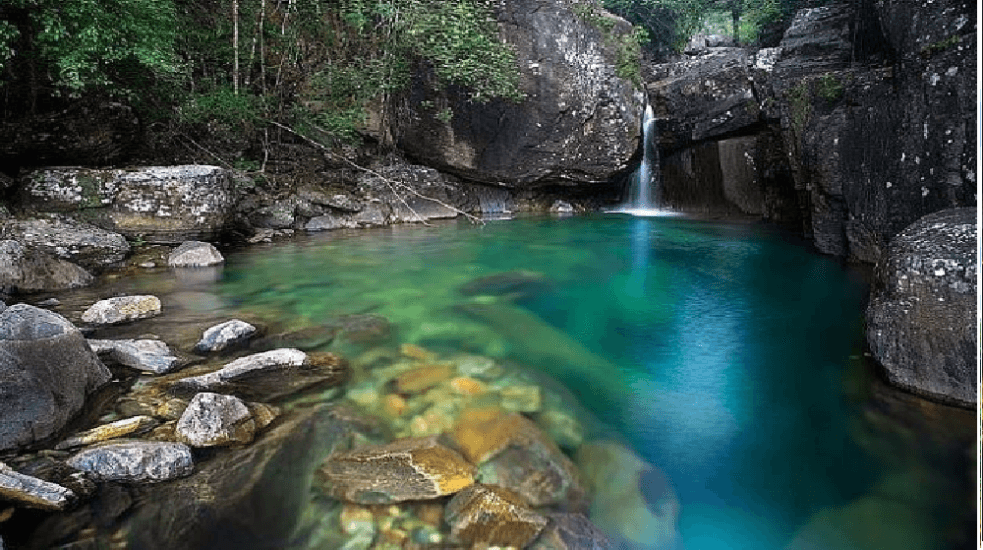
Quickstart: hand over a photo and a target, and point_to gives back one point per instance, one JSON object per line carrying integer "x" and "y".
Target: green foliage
{"x": 8, "y": 34}
{"x": 829, "y": 87}
{"x": 445, "y": 115}
{"x": 223, "y": 106}
{"x": 940, "y": 46}
{"x": 629, "y": 45}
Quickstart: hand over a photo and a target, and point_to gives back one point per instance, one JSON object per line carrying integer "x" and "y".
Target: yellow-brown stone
{"x": 416, "y": 352}
{"x": 486, "y": 515}
{"x": 394, "y": 405}
{"x": 467, "y": 386}
{"x": 423, "y": 378}
{"x": 482, "y": 432}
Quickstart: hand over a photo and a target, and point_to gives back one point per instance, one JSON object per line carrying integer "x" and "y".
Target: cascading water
{"x": 644, "y": 196}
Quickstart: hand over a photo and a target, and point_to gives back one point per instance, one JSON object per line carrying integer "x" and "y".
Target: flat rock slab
{"x": 486, "y": 515}
{"x": 921, "y": 322}
{"x": 24, "y": 269}
{"x": 113, "y": 430}
{"x": 225, "y": 335}
{"x": 31, "y": 491}
{"x": 135, "y": 461}
{"x": 122, "y": 309}
{"x": 406, "y": 469}
{"x": 195, "y": 254}
{"x": 146, "y": 355}
{"x": 213, "y": 419}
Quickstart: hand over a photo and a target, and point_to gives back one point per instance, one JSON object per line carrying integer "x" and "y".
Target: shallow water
{"x": 727, "y": 355}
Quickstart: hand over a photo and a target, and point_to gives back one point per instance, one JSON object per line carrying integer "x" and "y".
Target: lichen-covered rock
{"x": 269, "y": 374}
{"x": 80, "y": 243}
{"x": 571, "y": 532}
{"x": 212, "y": 419}
{"x": 485, "y": 515}
{"x": 407, "y": 469}
{"x": 578, "y": 125}
{"x": 31, "y": 491}
{"x": 24, "y": 270}
{"x": 921, "y": 322}
{"x": 113, "y": 430}
{"x": 122, "y": 309}
{"x": 144, "y": 354}
{"x": 135, "y": 461}
{"x": 47, "y": 369}
{"x": 223, "y": 336}
{"x": 160, "y": 204}
{"x": 512, "y": 452}
{"x": 195, "y": 254}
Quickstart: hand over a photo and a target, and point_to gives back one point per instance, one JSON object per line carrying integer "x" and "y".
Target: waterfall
{"x": 644, "y": 193}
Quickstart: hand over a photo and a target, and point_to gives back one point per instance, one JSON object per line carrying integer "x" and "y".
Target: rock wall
{"x": 578, "y": 125}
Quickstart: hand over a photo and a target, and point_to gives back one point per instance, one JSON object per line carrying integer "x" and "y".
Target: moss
{"x": 940, "y": 46}
{"x": 829, "y": 87}
{"x": 800, "y": 107}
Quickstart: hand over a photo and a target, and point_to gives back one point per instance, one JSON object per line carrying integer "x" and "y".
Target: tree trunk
{"x": 235, "y": 47}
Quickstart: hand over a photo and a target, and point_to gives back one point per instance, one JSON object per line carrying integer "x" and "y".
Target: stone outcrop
{"x": 194, "y": 254}
{"x": 159, "y": 204}
{"x": 60, "y": 236}
{"x": 24, "y": 270}
{"x": 921, "y": 322}
{"x": 579, "y": 123}
{"x": 122, "y": 309}
{"x": 31, "y": 491}
{"x": 486, "y": 515}
{"x": 48, "y": 370}
{"x": 135, "y": 461}
{"x": 407, "y": 469}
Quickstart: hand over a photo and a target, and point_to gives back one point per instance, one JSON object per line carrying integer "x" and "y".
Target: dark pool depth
{"x": 727, "y": 355}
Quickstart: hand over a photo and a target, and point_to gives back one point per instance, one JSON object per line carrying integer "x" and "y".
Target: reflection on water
{"x": 726, "y": 356}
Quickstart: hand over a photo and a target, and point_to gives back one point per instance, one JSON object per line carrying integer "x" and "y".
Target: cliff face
{"x": 874, "y": 107}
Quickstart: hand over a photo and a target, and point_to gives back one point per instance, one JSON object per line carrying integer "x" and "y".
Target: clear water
{"x": 727, "y": 355}
{"x": 734, "y": 363}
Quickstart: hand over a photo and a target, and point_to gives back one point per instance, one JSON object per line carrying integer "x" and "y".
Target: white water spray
{"x": 644, "y": 193}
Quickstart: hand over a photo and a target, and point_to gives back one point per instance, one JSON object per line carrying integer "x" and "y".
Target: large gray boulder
{"x": 921, "y": 322}
{"x": 578, "y": 125}
{"x": 24, "y": 269}
{"x": 47, "y": 369}
{"x": 159, "y": 204}
{"x": 81, "y": 243}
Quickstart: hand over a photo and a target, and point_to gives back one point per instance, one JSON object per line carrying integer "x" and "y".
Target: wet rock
{"x": 223, "y": 336}
{"x": 512, "y": 452}
{"x": 113, "y": 430}
{"x": 280, "y": 215}
{"x": 571, "y": 532}
{"x": 423, "y": 378}
{"x": 485, "y": 515}
{"x": 194, "y": 254}
{"x": 305, "y": 339}
{"x": 146, "y": 355}
{"x": 327, "y": 222}
{"x": 26, "y": 270}
{"x": 269, "y": 374}
{"x": 620, "y": 508}
{"x": 122, "y": 309}
{"x": 407, "y": 469}
{"x": 48, "y": 370}
{"x": 520, "y": 282}
{"x": 363, "y": 329}
{"x": 32, "y": 492}
{"x": 340, "y": 201}
{"x": 62, "y": 237}
{"x": 921, "y": 319}
{"x": 482, "y": 368}
{"x": 135, "y": 461}
{"x": 525, "y": 399}
{"x": 213, "y": 419}
{"x": 578, "y": 124}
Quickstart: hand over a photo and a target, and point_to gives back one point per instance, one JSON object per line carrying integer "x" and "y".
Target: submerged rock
{"x": 571, "y": 532}
{"x": 31, "y": 491}
{"x": 921, "y": 322}
{"x": 194, "y": 254}
{"x": 225, "y": 335}
{"x": 407, "y": 469}
{"x": 135, "y": 461}
{"x": 520, "y": 282}
{"x": 485, "y": 515}
{"x": 122, "y": 309}
{"x": 47, "y": 370}
{"x": 23, "y": 269}
{"x": 146, "y": 355}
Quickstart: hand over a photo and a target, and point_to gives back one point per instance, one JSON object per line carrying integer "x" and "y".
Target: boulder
{"x": 578, "y": 124}
{"x": 485, "y": 515}
{"x": 121, "y": 309}
{"x": 194, "y": 254}
{"x": 211, "y": 419}
{"x": 159, "y": 204}
{"x": 31, "y": 491}
{"x": 269, "y": 374}
{"x": 135, "y": 461}
{"x": 47, "y": 369}
{"x": 921, "y": 322}
{"x": 223, "y": 336}
{"x": 406, "y": 469}
{"x": 80, "y": 243}
{"x": 146, "y": 355}
{"x": 23, "y": 269}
